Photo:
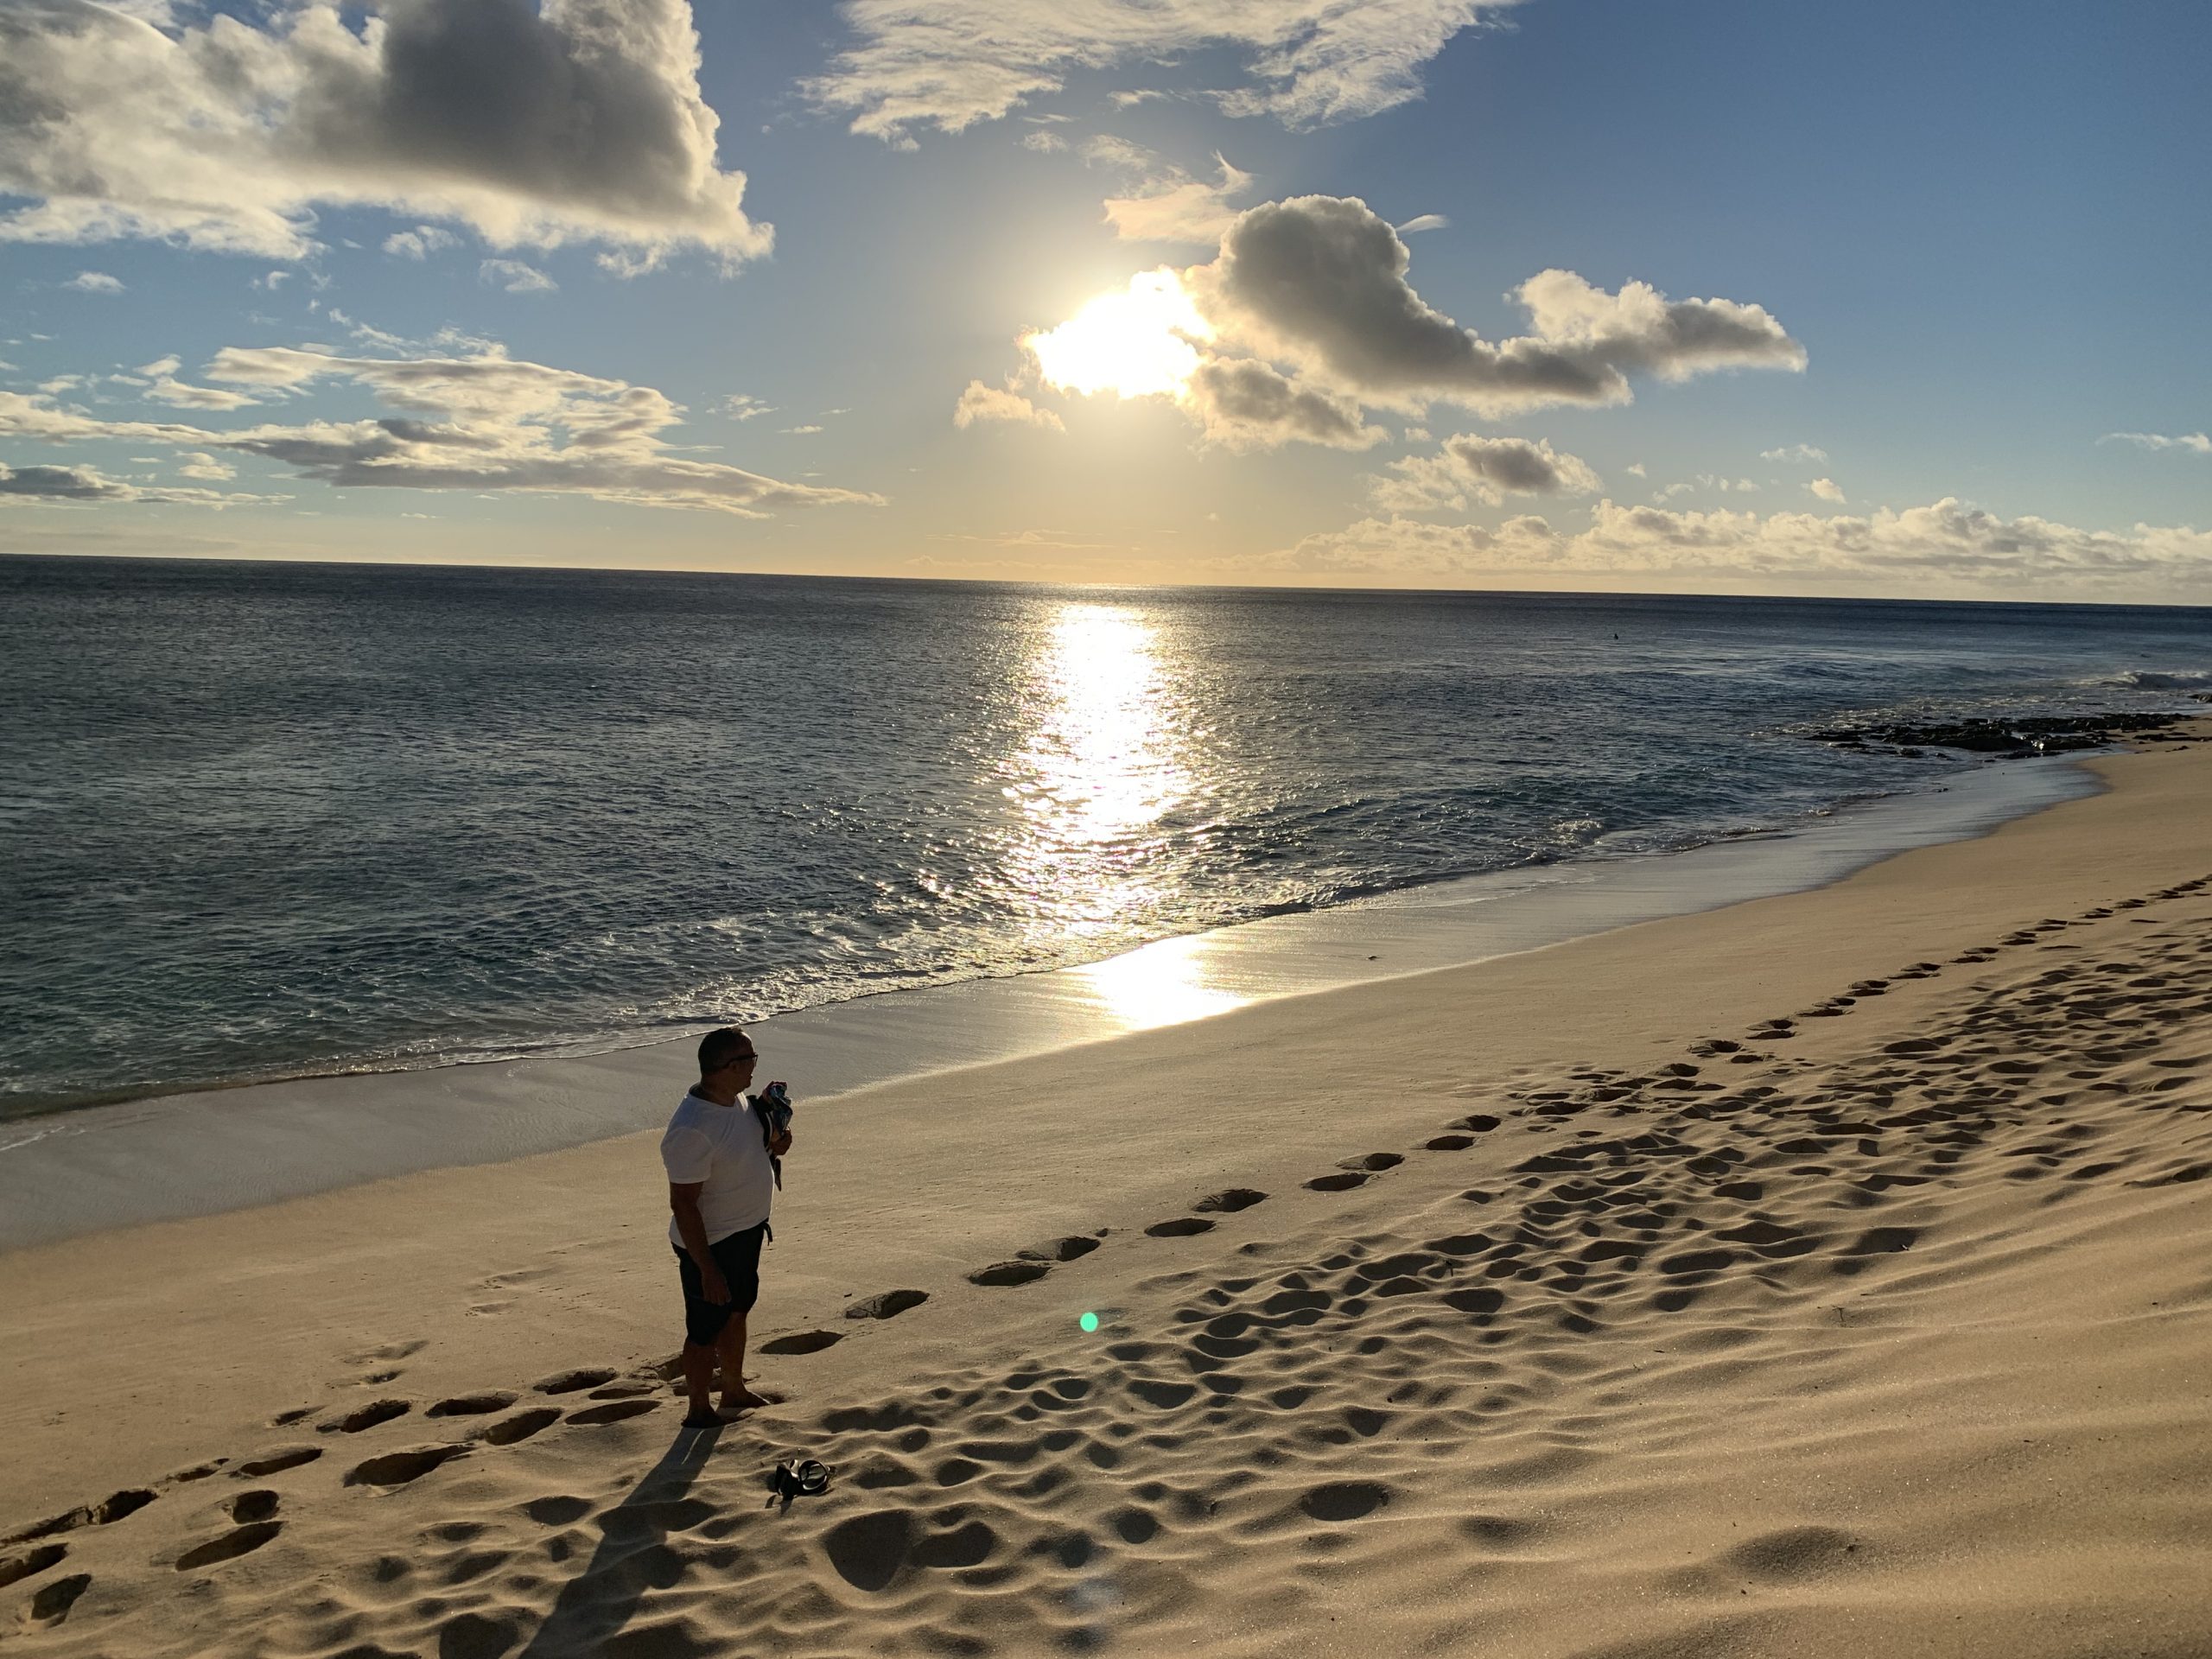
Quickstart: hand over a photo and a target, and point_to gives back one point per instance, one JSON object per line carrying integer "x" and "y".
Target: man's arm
{"x": 692, "y": 1227}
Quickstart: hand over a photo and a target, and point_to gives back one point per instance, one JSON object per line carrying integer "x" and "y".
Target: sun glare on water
{"x": 1136, "y": 343}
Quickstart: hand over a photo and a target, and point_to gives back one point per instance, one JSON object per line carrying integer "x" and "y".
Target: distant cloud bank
{"x": 1945, "y": 540}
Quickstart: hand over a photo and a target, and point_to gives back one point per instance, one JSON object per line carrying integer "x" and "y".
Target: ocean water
{"x": 261, "y": 820}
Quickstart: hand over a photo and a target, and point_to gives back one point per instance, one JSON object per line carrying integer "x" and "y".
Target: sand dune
{"x": 1876, "y": 1324}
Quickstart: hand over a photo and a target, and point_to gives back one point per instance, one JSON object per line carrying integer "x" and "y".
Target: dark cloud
{"x": 1324, "y": 278}
{"x": 83, "y": 485}
{"x": 1245, "y": 404}
{"x": 1474, "y": 468}
{"x": 62, "y": 484}
{"x": 1521, "y": 466}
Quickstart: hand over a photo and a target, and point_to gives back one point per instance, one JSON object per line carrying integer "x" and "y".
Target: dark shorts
{"x": 738, "y": 1257}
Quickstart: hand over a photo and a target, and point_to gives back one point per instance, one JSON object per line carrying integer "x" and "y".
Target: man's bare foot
{"x": 747, "y": 1400}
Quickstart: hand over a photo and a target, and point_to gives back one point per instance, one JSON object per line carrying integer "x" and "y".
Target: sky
{"x": 1889, "y": 298}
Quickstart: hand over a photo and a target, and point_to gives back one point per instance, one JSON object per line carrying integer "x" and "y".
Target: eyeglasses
{"x": 738, "y": 1059}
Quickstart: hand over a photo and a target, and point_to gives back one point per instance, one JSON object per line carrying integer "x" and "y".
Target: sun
{"x": 1135, "y": 343}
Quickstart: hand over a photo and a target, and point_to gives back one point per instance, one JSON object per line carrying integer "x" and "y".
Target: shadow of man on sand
{"x": 632, "y": 1556}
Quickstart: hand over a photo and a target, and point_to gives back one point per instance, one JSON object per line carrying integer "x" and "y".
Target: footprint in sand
{"x": 1009, "y": 1272}
{"x": 277, "y": 1462}
{"x": 799, "y": 1342}
{"x": 249, "y": 1507}
{"x": 472, "y": 1405}
{"x": 1344, "y": 1500}
{"x": 886, "y": 1305}
{"x": 510, "y": 1431}
{"x": 1374, "y": 1161}
{"x": 1229, "y": 1200}
{"x": 231, "y": 1545}
{"x": 1181, "y": 1227}
{"x": 569, "y": 1381}
{"x": 1344, "y": 1181}
{"x": 14, "y": 1568}
{"x": 1061, "y": 1249}
{"x": 616, "y": 1411}
{"x": 559, "y": 1510}
{"x": 51, "y": 1604}
{"x": 368, "y": 1416}
{"x": 397, "y": 1468}
{"x": 108, "y": 1510}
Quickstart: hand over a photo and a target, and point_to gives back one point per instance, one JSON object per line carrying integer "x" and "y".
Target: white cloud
{"x": 982, "y": 403}
{"x": 948, "y": 63}
{"x": 1828, "y": 489}
{"x": 1946, "y": 544}
{"x": 578, "y": 122}
{"x": 1170, "y": 206}
{"x": 1796, "y": 452}
{"x": 744, "y": 406}
{"x": 1423, "y": 222}
{"x": 1043, "y": 142}
{"x": 798, "y": 431}
{"x": 1322, "y": 279}
{"x": 1719, "y": 483}
{"x": 167, "y": 388}
{"x": 84, "y": 281}
{"x": 2196, "y": 442}
{"x": 1471, "y": 468}
{"x": 1634, "y": 469}
{"x": 199, "y": 464}
{"x": 483, "y": 423}
{"x": 418, "y": 244}
{"x": 516, "y": 276}
{"x": 162, "y": 366}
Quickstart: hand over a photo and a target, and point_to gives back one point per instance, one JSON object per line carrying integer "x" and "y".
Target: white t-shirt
{"x": 720, "y": 1147}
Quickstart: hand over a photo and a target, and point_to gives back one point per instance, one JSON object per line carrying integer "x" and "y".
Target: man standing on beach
{"x": 720, "y": 1186}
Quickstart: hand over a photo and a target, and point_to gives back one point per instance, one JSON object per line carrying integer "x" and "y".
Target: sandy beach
{"x": 1825, "y": 1274}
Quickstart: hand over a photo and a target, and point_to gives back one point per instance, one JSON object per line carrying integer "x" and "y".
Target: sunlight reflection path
{"x": 1160, "y": 985}
{"x": 1099, "y": 783}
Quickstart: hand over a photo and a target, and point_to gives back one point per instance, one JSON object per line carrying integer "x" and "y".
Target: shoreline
{"x": 1820, "y": 1275}
{"x": 165, "y": 1156}
{"x": 1983, "y": 777}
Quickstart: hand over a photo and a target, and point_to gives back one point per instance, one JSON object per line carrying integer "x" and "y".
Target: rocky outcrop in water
{"x": 2006, "y": 740}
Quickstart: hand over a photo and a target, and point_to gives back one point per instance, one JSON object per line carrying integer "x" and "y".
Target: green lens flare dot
{"x": 1089, "y": 1322}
